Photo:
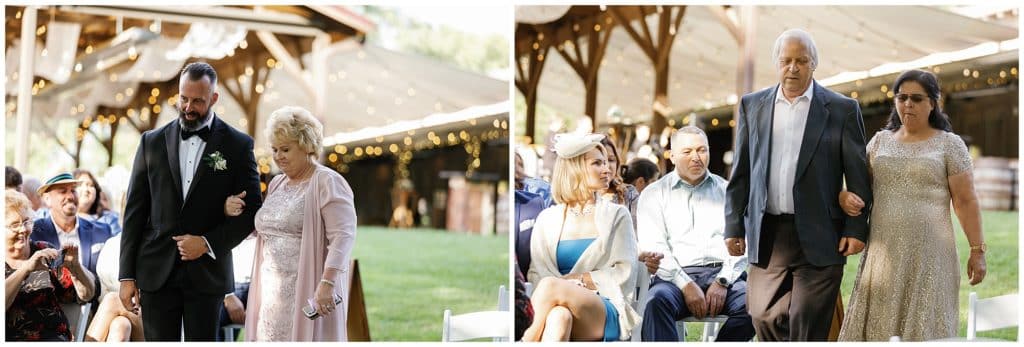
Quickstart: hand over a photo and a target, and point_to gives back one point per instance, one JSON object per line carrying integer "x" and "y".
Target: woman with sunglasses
{"x": 908, "y": 281}
{"x": 38, "y": 279}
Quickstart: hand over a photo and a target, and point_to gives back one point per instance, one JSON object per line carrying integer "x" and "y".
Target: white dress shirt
{"x": 190, "y": 156}
{"x": 69, "y": 237}
{"x": 789, "y": 121}
{"x": 686, "y": 223}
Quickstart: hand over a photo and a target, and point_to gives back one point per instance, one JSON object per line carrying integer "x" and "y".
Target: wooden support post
{"x": 659, "y": 52}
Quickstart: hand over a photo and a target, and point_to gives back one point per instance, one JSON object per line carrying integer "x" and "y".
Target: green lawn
{"x": 410, "y": 276}
{"x": 1000, "y": 229}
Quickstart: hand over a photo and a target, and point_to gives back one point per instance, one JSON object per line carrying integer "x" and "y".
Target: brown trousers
{"x": 790, "y": 299}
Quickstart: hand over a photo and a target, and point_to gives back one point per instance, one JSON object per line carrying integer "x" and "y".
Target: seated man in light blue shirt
{"x": 681, "y": 216}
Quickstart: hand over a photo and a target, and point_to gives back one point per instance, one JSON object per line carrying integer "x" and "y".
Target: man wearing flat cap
{"x": 62, "y": 228}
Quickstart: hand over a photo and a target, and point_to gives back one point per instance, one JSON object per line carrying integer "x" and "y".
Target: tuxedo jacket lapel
{"x": 817, "y": 117}
{"x": 171, "y": 136}
{"x": 216, "y": 134}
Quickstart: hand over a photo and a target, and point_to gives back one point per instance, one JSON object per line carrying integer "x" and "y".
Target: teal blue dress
{"x": 567, "y": 254}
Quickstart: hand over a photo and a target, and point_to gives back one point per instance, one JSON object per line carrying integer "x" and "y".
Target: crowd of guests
{"x": 67, "y": 247}
{"x": 765, "y": 249}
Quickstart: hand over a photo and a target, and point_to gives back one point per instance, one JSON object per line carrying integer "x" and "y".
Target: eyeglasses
{"x": 916, "y": 98}
{"x": 25, "y": 224}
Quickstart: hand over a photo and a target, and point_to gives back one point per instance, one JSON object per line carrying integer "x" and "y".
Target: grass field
{"x": 1000, "y": 230}
{"x": 410, "y": 276}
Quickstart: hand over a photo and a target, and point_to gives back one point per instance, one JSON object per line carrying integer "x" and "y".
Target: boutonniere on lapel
{"x": 216, "y": 161}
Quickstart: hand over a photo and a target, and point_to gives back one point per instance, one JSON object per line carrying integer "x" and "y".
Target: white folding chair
{"x": 643, "y": 285}
{"x": 475, "y": 325}
{"x": 83, "y": 321}
{"x": 990, "y": 314}
{"x": 711, "y": 326}
{"x": 502, "y": 298}
{"x": 229, "y": 331}
{"x": 529, "y": 288}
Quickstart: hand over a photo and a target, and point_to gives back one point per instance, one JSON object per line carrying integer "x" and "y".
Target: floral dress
{"x": 36, "y": 313}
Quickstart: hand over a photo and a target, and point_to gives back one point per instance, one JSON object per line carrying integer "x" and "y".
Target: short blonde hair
{"x": 293, "y": 123}
{"x": 569, "y": 179}
{"x": 17, "y": 202}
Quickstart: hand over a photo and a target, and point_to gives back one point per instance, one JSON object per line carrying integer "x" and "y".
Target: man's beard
{"x": 193, "y": 124}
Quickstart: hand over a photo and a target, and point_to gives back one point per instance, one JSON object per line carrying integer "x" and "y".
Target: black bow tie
{"x": 203, "y": 133}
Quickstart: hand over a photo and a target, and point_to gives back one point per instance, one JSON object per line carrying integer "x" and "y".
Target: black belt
{"x": 715, "y": 264}
{"x": 780, "y": 217}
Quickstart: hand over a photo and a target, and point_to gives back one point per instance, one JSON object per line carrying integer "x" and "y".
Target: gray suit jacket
{"x": 832, "y": 147}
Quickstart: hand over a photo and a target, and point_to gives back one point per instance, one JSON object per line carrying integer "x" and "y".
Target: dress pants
{"x": 178, "y": 301}
{"x": 790, "y": 299}
{"x": 666, "y": 305}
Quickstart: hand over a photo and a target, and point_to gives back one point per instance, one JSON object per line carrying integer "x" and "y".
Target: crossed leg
{"x": 564, "y": 311}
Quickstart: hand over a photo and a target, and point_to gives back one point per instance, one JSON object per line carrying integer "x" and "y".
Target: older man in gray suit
{"x": 795, "y": 143}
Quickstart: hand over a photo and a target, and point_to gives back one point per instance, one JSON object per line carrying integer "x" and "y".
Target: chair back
{"x": 990, "y": 314}
{"x": 475, "y": 325}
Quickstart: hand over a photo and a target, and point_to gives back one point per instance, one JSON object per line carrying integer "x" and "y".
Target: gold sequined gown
{"x": 909, "y": 276}
{"x": 279, "y": 225}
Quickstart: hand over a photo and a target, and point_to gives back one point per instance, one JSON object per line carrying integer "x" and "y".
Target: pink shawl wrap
{"x": 328, "y": 235}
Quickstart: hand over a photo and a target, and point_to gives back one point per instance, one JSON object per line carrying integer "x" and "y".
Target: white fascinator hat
{"x": 571, "y": 145}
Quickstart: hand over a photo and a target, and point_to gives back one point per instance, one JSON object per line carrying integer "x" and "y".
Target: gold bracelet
{"x": 328, "y": 282}
{"x": 979, "y": 248}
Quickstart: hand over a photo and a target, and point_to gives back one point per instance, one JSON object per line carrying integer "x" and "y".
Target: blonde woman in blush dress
{"x": 305, "y": 233}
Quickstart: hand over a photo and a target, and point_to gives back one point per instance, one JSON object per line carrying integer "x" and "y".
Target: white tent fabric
{"x": 156, "y": 62}
{"x": 61, "y": 46}
{"x": 59, "y": 59}
{"x": 208, "y": 40}
{"x": 540, "y": 14}
{"x": 704, "y": 56}
{"x": 370, "y": 86}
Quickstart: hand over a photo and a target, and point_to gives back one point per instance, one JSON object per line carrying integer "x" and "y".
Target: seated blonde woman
{"x": 583, "y": 252}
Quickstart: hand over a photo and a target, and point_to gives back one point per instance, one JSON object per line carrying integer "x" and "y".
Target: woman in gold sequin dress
{"x": 909, "y": 277}
{"x": 305, "y": 234}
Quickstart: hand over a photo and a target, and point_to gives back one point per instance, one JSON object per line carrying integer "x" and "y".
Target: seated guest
{"x": 528, "y": 206}
{"x": 29, "y": 187}
{"x": 682, "y": 215}
{"x": 38, "y": 278}
{"x": 532, "y": 185}
{"x": 63, "y": 227}
{"x": 583, "y": 252}
{"x": 641, "y": 172}
{"x": 89, "y": 205}
{"x": 618, "y": 191}
{"x": 12, "y": 180}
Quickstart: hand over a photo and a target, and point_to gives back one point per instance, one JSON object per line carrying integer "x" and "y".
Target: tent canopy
{"x": 703, "y": 62}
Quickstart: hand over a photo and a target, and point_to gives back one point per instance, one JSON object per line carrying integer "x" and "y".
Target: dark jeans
{"x": 242, "y": 292}
{"x": 666, "y": 305}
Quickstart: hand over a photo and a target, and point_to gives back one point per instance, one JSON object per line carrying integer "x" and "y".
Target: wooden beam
{"x": 728, "y": 22}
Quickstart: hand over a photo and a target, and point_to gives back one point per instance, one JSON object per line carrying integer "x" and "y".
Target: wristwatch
{"x": 722, "y": 281}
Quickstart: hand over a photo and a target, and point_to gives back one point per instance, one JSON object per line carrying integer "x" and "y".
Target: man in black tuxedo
{"x": 796, "y": 142}
{"x": 177, "y": 240}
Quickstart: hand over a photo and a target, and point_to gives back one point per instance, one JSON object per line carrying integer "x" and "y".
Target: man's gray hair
{"x": 689, "y": 129}
{"x": 800, "y": 36}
